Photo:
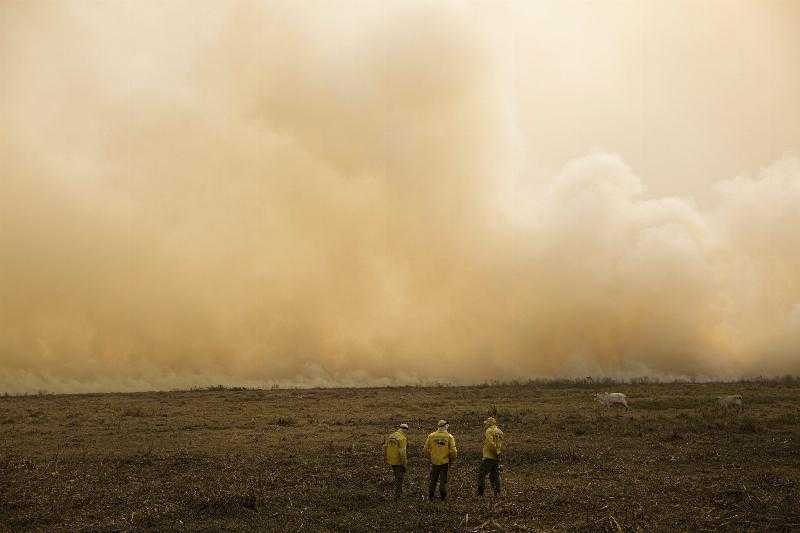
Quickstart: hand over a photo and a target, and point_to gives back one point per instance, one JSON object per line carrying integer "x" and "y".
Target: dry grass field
{"x": 290, "y": 460}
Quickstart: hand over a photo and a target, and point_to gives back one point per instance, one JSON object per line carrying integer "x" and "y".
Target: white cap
{"x": 403, "y": 426}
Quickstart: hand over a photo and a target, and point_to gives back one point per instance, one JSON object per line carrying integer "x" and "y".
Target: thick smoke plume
{"x": 318, "y": 196}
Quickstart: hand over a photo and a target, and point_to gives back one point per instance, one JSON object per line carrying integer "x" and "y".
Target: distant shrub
{"x": 792, "y": 418}
{"x": 748, "y": 425}
{"x": 284, "y": 421}
{"x": 134, "y": 412}
{"x": 789, "y": 379}
{"x": 217, "y": 388}
{"x": 582, "y": 430}
{"x": 786, "y": 380}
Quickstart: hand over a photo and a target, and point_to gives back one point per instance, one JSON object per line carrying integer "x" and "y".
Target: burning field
{"x": 350, "y": 193}
{"x": 311, "y": 459}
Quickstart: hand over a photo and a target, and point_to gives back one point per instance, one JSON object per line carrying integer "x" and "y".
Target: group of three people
{"x": 440, "y": 448}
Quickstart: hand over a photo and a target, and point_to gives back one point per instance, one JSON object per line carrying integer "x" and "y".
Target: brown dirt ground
{"x": 224, "y": 459}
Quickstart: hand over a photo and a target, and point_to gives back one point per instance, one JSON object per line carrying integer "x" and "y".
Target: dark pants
{"x": 438, "y": 474}
{"x": 399, "y": 474}
{"x": 491, "y": 467}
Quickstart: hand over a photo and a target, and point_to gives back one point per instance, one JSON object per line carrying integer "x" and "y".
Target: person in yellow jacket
{"x": 492, "y": 449}
{"x": 396, "y": 456}
{"x": 440, "y": 448}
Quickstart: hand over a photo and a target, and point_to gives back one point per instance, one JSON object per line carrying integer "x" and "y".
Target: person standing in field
{"x": 490, "y": 464}
{"x": 440, "y": 448}
{"x": 396, "y": 456}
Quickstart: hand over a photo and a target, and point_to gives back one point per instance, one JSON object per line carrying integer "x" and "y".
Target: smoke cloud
{"x": 311, "y": 194}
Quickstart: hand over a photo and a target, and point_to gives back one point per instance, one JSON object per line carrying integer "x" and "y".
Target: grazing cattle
{"x": 610, "y": 398}
{"x": 730, "y": 400}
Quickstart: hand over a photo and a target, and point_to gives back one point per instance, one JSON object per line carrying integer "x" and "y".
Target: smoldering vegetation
{"x": 265, "y": 193}
{"x": 311, "y": 459}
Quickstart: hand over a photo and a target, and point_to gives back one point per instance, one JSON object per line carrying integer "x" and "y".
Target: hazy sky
{"x": 394, "y": 192}
{"x": 688, "y": 92}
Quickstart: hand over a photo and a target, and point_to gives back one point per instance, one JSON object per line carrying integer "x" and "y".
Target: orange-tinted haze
{"x": 352, "y": 193}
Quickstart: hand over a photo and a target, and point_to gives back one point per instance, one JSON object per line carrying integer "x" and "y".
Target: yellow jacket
{"x": 395, "y": 447}
{"x": 493, "y": 443}
{"x": 440, "y": 447}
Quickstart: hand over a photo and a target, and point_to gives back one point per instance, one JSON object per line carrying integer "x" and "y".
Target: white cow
{"x": 730, "y": 400}
{"x": 609, "y": 398}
